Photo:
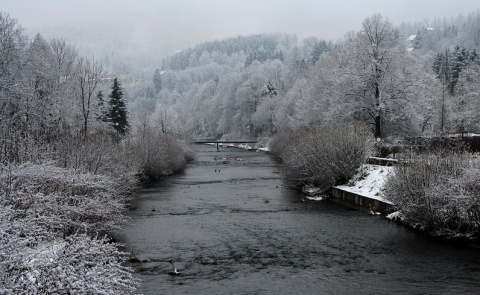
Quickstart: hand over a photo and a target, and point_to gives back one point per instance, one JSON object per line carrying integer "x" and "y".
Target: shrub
{"x": 157, "y": 154}
{"x": 324, "y": 156}
{"x": 79, "y": 264}
{"x": 50, "y": 223}
{"x": 439, "y": 193}
{"x": 63, "y": 201}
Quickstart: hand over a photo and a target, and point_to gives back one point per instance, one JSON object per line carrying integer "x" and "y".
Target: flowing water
{"x": 265, "y": 239}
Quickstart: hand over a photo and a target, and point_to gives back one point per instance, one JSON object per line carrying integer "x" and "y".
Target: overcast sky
{"x": 329, "y": 19}
{"x": 204, "y": 20}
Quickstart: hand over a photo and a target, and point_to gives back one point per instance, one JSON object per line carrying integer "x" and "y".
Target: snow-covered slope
{"x": 369, "y": 182}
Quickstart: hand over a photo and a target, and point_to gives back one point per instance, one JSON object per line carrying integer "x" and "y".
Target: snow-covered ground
{"x": 369, "y": 182}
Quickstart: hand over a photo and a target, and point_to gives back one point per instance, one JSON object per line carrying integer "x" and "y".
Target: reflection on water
{"x": 279, "y": 246}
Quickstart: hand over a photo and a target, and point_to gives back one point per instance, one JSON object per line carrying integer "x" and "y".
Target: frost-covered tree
{"x": 467, "y": 101}
{"x": 369, "y": 76}
{"x": 380, "y": 49}
{"x": 265, "y": 114}
{"x": 12, "y": 105}
{"x": 88, "y": 77}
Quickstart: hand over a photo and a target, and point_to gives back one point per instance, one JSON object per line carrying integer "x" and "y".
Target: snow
{"x": 263, "y": 149}
{"x": 397, "y": 215}
{"x": 370, "y": 182}
{"x": 385, "y": 159}
{"x": 314, "y": 198}
{"x": 411, "y": 37}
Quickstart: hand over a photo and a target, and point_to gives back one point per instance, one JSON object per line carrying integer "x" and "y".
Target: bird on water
{"x": 174, "y": 271}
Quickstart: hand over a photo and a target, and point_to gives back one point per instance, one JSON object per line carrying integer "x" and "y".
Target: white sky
{"x": 194, "y": 21}
{"x": 325, "y": 19}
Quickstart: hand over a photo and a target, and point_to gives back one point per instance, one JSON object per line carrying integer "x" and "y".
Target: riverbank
{"x": 365, "y": 190}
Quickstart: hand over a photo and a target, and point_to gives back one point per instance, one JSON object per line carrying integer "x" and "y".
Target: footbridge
{"x": 218, "y": 141}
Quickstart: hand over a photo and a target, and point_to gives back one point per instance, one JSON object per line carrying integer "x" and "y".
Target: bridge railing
{"x": 227, "y": 140}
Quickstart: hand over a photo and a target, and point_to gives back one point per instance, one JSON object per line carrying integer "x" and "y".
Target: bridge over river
{"x": 218, "y": 141}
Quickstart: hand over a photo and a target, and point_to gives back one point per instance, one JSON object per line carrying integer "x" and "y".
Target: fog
{"x": 165, "y": 26}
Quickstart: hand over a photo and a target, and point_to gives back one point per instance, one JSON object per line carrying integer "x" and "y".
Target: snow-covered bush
{"x": 439, "y": 194}
{"x": 98, "y": 153}
{"x": 63, "y": 199}
{"x": 324, "y": 156}
{"x": 78, "y": 264}
{"x": 50, "y": 223}
{"x": 157, "y": 154}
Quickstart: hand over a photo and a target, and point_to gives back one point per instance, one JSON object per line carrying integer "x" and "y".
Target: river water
{"x": 266, "y": 240}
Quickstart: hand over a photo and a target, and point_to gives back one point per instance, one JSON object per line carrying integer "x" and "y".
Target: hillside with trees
{"x": 405, "y": 81}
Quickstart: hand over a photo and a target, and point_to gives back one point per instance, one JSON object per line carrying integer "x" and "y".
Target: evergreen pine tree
{"x": 117, "y": 113}
{"x": 318, "y": 49}
{"x": 157, "y": 80}
{"x": 437, "y": 65}
{"x": 459, "y": 62}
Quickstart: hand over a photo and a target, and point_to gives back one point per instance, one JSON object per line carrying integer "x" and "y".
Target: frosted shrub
{"x": 52, "y": 232}
{"x": 439, "y": 194}
{"x": 63, "y": 199}
{"x": 158, "y": 154}
{"x": 77, "y": 265}
{"x": 324, "y": 156}
{"x": 99, "y": 153}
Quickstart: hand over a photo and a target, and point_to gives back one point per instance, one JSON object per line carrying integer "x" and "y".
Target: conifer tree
{"x": 437, "y": 65}
{"x": 157, "y": 81}
{"x": 117, "y": 113}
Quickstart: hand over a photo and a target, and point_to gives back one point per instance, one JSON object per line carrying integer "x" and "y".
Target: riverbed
{"x": 233, "y": 226}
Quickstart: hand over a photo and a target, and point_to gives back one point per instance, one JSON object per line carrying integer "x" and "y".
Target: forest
{"x": 406, "y": 81}
{"x": 78, "y": 134}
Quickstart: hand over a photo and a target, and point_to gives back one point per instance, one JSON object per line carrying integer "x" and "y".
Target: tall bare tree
{"x": 376, "y": 73}
{"x": 378, "y": 40}
{"x": 88, "y": 77}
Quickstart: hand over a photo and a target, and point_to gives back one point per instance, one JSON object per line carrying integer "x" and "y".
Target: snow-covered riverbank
{"x": 369, "y": 182}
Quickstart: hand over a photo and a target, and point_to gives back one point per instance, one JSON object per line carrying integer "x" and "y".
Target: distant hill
{"x": 260, "y": 47}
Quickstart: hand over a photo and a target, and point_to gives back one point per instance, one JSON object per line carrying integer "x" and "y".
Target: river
{"x": 266, "y": 240}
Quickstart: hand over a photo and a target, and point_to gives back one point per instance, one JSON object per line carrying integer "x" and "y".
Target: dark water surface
{"x": 283, "y": 246}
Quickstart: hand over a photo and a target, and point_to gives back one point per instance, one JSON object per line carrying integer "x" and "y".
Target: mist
{"x": 149, "y": 30}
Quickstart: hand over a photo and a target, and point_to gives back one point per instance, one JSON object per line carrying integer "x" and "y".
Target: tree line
{"x": 377, "y": 75}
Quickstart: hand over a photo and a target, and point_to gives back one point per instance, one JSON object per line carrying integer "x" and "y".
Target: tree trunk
{"x": 378, "y": 117}
{"x": 378, "y": 126}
